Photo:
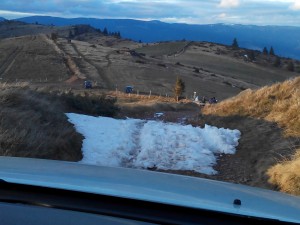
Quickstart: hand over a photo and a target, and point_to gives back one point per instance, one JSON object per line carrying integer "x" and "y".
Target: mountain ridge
{"x": 284, "y": 39}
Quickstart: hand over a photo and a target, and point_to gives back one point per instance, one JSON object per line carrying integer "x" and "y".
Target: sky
{"x": 256, "y": 12}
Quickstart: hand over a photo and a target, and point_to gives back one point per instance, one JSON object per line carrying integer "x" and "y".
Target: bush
{"x": 196, "y": 70}
{"x": 91, "y": 105}
{"x": 290, "y": 66}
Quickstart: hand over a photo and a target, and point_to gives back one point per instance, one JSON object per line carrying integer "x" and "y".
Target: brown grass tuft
{"x": 286, "y": 175}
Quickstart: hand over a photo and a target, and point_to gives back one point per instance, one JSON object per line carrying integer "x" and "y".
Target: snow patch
{"x": 152, "y": 144}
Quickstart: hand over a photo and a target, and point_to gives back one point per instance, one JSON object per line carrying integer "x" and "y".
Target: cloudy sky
{"x": 259, "y": 12}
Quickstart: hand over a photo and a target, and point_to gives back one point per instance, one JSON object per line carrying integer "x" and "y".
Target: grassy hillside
{"x": 164, "y": 48}
{"x": 277, "y": 103}
{"x": 31, "y": 58}
{"x": 113, "y": 63}
{"x": 34, "y": 125}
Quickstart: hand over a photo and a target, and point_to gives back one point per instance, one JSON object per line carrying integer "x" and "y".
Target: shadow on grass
{"x": 34, "y": 124}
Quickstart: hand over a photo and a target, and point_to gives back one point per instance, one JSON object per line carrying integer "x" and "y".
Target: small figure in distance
{"x": 88, "y": 84}
{"x": 213, "y": 100}
{"x": 204, "y": 99}
{"x": 128, "y": 89}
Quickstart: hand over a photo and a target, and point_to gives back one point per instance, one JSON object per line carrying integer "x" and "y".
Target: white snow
{"x": 152, "y": 144}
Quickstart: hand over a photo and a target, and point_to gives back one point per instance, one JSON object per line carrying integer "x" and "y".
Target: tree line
{"x": 277, "y": 62}
{"x": 81, "y": 30}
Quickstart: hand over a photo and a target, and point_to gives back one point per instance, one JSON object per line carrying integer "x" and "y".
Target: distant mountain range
{"x": 1, "y": 18}
{"x": 284, "y": 39}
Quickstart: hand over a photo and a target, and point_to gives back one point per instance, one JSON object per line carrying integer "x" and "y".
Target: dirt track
{"x": 8, "y": 62}
{"x": 31, "y": 58}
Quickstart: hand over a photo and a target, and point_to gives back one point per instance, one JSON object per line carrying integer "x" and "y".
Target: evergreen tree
{"x": 118, "y": 34}
{"x": 251, "y": 55}
{"x": 179, "y": 88}
{"x": 76, "y": 31}
{"x": 70, "y": 34}
{"x": 272, "y": 51}
{"x": 265, "y": 51}
{"x": 235, "y": 43}
{"x": 105, "y": 32}
{"x": 290, "y": 66}
{"x": 54, "y": 36}
{"x": 277, "y": 62}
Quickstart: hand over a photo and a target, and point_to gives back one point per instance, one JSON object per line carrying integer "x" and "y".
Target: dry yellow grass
{"x": 142, "y": 98}
{"x": 278, "y": 103}
{"x": 286, "y": 175}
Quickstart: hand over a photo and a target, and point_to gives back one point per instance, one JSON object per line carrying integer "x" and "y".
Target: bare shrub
{"x": 92, "y": 105}
{"x": 34, "y": 125}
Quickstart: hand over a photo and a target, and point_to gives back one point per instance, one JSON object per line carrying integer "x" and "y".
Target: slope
{"x": 31, "y": 58}
{"x": 278, "y": 103}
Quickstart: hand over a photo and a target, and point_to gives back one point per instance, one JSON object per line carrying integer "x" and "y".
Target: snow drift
{"x": 152, "y": 144}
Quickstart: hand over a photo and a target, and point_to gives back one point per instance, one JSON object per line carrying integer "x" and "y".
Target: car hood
{"x": 152, "y": 186}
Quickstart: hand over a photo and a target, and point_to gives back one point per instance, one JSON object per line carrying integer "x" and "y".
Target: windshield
{"x": 205, "y": 89}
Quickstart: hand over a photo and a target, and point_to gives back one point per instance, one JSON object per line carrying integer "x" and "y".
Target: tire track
{"x": 136, "y": 139}
{"x": 181, "y": 51}
{"x": 7, "y": 64}
{"x": 108, "y": 84}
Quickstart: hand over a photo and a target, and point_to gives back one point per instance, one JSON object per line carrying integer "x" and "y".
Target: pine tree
{"x": 76, "y": 31}
{"x": 272, "y": 51}
{"x": 70, "y": 34}
{"x": 105, "y": 32}
{"x": 118, "y": 34}
{"x": 251, "y": 55}
{"x": 235, "y": 43}
{"x": 54, "y": 36}
{"x": 290, "y": 66}
{"x": 277, "y": 62}
{"x": 265, "y": 51}
{"x": 179, "y": 88}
